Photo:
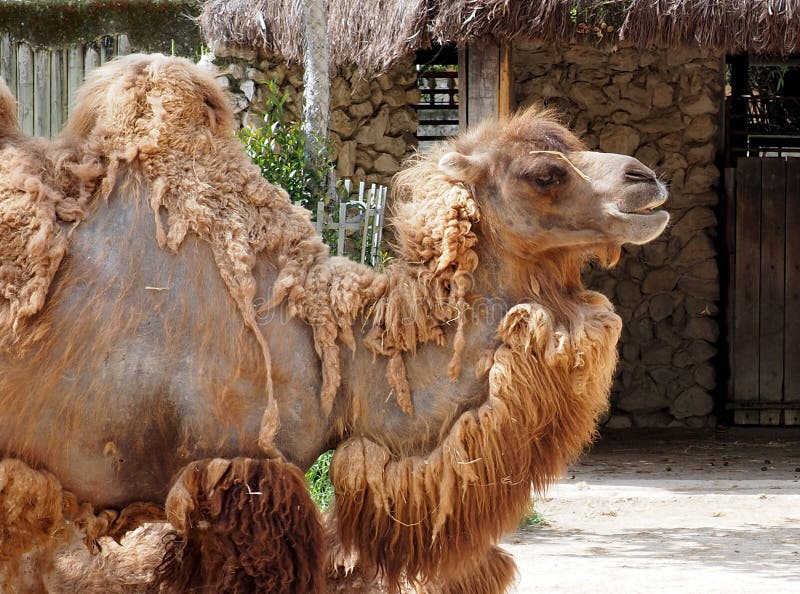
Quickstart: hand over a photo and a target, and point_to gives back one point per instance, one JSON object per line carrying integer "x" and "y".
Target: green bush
{"x": 319, "y": 482}
{"x": 279, "y": 149}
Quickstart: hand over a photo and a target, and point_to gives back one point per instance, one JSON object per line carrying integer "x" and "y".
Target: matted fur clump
{"x": 244, "y": 526}
{"x": 38, "y": 517}
{"x": 32, "y": 242}
{"x": 422, "y": 518}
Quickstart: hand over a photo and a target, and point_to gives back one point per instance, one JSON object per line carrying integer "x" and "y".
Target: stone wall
{"x": 664, "y": 108}
{"x": 373, "y": 122}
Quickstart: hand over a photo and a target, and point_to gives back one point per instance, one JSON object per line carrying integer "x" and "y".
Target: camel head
{"x": 537, "y": 190}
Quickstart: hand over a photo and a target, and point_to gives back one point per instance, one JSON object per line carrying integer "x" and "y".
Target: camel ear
{"x": 464, "y": 168}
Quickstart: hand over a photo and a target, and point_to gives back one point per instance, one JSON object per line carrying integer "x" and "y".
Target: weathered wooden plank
{"x": 729, "y": 206}
{"x": 25, "y": 87}
{"x": 41, "y": 92}
{"x": 123, "y": 45}
{"x": 74, "y": 73}
{"x": 771, "y": 299}
{"x": 769, "y": 417}
{"x": 483, "y": 81}
{"x": 505, "y": 91}
{"x": 104, "y": 55}
{"x": 8, "y": 62}
{"x": 463, "y": 87}
{"x": 91, "y": 58}
{"x": 748, "y": 267}
{"x": 746, "y": 417}
{"x": 58, "y": 91}
{"x": 791, "y": 380}
{"x": 791, "y": 416}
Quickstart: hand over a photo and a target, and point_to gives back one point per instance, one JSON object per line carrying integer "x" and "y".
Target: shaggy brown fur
{"x": 31, "y": 517}
{"x": 32, "y": 243}
{"x": 423, "y": 517}
{"x": 38, "y": 518}
{"x": 244, "y": 526}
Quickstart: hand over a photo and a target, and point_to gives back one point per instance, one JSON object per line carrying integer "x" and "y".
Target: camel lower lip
{"x": 647, "y": 209}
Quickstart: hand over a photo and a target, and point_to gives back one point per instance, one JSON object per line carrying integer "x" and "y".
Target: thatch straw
{"x": 371, "y": 34}
{"x": 376, "y": 33}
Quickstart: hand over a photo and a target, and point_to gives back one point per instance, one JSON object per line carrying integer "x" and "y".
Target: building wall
{"x": 373, "y": 122}
{"x": 664, "y": 107}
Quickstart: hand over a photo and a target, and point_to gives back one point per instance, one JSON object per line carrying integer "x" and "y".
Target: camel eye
{"x": 545, "y": 180}
{"x": 546, "y": 177}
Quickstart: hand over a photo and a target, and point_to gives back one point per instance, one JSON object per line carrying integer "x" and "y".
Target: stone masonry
{"x": 663, "y": 107}
{"x": 372, "y": 122}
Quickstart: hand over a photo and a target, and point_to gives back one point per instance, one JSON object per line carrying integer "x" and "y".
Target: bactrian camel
{"x": 176, "y": 343}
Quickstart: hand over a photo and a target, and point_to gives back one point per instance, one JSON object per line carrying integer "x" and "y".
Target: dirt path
{"x": 671, "y": 512}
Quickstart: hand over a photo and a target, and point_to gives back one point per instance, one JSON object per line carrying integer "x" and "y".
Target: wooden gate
{"x": 764, "y": 291}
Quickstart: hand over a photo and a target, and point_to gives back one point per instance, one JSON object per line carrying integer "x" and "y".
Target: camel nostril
{"x": 639, "y": 175}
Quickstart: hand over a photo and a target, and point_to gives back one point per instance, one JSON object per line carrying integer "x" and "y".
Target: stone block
{"x": 619, "y": 139}
{"x": 702, "y": 128}
{"x": 624, "y": 60}
{"x": 340, "y": 93}
{"x": 345, "y": 165}
{"x": 694, "y": 402}
{"x": 395, "y": 97}
{"x": 661, "y": 307}
{"x": 396, "y": 147}
{"x": 641, "y": 399}
{"x": 701, "y": 351}
{"x": 702, "y": 328}
{"x": 698, "y": 248}
{"x": 663, "y": 93}
{"x": 342, "y": 124}
{"x": 587, "y": 96}
{"x": 694, "y": 220}
{"x": 700, "y": 104}
{"x": 619, "y": 422}
{"x": 705, "y": 375}
{"x": 656, "y": 420}
{"x": 403, "y": 120}
{"x": 360, "y": 110}
{"x": 701, "y": 178}
{"x": 660, "y": 280}
{"x": 657, "y": 354}
{"x": 647, "y": 154}
{"x": 628, "y": 293}
{"x": 700, "y": 288}
{"x": 386, "y": 164}
{"x": 359, "y": 90}
{"x": 374, "y": 129}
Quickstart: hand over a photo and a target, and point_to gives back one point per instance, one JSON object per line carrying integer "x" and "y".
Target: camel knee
{"x": 242, "y": 525}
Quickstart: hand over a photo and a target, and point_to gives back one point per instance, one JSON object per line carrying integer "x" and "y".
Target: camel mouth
{"x": 647, "y": 209}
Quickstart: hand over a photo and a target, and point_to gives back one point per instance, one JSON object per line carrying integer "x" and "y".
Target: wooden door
{"x": 764, "y": 304}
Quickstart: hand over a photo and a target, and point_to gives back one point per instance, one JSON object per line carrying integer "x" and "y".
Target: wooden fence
{"x": 45, "y": 80}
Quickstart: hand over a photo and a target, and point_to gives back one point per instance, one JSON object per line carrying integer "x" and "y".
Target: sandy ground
{"x": 715, "y": 512}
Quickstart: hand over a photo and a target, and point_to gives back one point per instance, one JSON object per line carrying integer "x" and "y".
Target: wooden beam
{"x": 484, "y": 82}
{"x": 505, "y": 90}
{"x": 747, "y": 269}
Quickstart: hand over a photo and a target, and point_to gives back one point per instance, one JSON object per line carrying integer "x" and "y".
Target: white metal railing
{"x": 357, "y": 220}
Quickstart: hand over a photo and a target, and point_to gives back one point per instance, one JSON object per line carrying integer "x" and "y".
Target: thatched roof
{"x": 375, "y": 33}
